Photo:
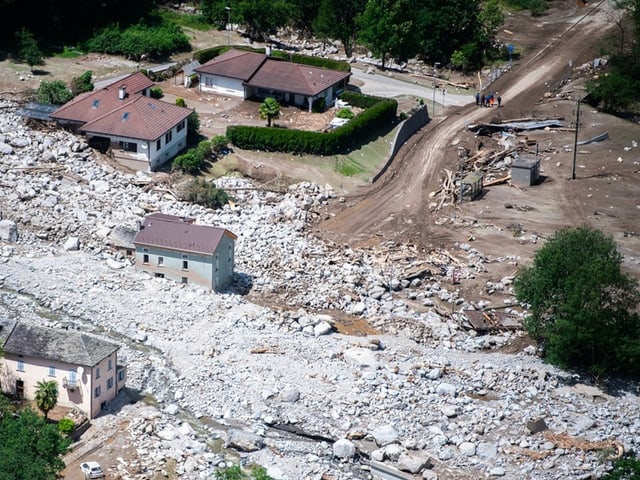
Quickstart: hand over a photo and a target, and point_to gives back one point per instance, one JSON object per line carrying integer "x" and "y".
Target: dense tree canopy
{"x": 31, "y": 448}
{"x": 582, "y": 304}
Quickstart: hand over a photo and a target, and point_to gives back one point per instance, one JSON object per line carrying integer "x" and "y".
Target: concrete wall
{"x": 222, "y": 85}
{"x": 418, "y": 119}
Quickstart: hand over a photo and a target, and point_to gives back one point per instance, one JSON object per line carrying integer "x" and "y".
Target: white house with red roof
{"x": 173, "y": 247}
{"x": 122, "y": 116}
{"x": 247, "y": 74}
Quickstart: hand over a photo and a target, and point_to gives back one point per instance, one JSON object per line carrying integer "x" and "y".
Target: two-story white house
{"x": 142, "y": 131}
{"x": 85, "y": 368}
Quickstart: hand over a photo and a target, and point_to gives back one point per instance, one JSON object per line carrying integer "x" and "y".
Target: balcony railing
{"x": 70, "y": 384}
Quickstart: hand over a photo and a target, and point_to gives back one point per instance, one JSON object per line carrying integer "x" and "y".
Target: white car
{"x": 91, "y": 470}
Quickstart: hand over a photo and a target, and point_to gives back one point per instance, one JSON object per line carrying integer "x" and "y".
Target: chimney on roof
{"x": 122, "y": 92}
{"x": 267, "y": 50}
{"x": 140, "y": 225}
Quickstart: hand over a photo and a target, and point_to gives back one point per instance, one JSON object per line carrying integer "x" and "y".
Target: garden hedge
{"x": 341, "y": 140}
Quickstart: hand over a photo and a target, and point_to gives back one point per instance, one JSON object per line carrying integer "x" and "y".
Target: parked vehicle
{"x": 91, "y": 470}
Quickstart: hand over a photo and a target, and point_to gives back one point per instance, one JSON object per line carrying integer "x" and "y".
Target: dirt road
{"x": 397, "y": 205}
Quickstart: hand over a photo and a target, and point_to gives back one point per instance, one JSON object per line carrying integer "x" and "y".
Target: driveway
{"x": 382, "y": 85}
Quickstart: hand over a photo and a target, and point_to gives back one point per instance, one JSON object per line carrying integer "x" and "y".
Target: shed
{"x": 525, "y": 170}
{"x": 472, "y": 185}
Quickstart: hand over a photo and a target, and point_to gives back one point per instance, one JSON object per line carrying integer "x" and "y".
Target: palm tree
{"x": 46, "y": 396}
{"x": 269, "y": 109}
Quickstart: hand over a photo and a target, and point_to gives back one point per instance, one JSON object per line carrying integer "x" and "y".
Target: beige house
{"x": 85, "y": 368}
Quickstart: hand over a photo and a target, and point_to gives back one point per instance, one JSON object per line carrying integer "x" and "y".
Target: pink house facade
{"x": 85, "y": 368}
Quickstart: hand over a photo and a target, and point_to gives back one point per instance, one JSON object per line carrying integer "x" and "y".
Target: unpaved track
{"x": 397, "y": 206}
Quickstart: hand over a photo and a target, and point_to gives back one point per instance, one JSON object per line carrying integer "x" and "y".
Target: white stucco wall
{"x": 222, "y": 85}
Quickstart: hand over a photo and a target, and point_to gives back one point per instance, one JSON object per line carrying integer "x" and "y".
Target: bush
{"x": 157, "y": 41}
{"x": 236, "y": 473}
{"x": 156, "y": 92}
{"x": 180, "y": 102}
{"x": 55, "y": 92}
{"x": 204, "y": 193}
{"x": 190, "y": 162}
{"x": 345, "y": 113}
{"x": 625, "y": 468}
{"x": 66, "y": 426}
{"x": 82, "y": 83}
{"x": 219, "y": 144}
{"x": 582, "y": 304}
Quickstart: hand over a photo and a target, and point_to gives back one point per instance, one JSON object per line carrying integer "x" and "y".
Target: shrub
{"x": 219, "y": 144}
{"x": 582, "y": 304}
{"x": 180, "y": 102}
{"x": 55, "y": 92}
{"x": 82, "y": 83}
{"x": 28, "y": 49}
{"x": 204, "y": 193}
{"x": 156, "y": 92}
{"x": 625, "y": 468}
{"x": 190, "y": 162}
{"x": 345, "y": 113}
{"x": 319, "y": 105}
{"x": 66, "y": 426}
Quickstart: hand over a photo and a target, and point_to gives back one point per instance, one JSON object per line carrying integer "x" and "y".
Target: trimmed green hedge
{"x": 207, "y": 54}
{"x": 341, "y": 140}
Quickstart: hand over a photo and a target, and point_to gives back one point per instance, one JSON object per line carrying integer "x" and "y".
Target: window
{"x": 110, "y": 365}
{"x": 159, "y": 144}
{"x": 128, "y": 146}
{"x": 73, "y": 380}
{"x": 121, "y": 375}
{"x": 20, "y": 366}
{"x": 167, "y": 137}
{"x": 145, "y": 258}
{"x": 109, "y": 383}
{"x": 184, "y": 280}
{"x": 180, "y": 126}
{"x": 161, "y": 261}
{"x": 185, "y": 264}
{"x": 97, "y": 372}
{"x": 52, "y": 371}
{"x": 97, "y": 391}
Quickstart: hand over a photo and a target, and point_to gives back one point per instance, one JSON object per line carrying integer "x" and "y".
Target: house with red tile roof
{"x": 248, "y": 74}
{"x": 122, "y": 116}
{"x": 173, "y": 247}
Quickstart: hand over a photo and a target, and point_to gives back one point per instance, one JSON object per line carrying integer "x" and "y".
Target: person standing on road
{"x": 482, "y": 100}
{"x": 499, "y": 100}
{"x": 477, "y": 98}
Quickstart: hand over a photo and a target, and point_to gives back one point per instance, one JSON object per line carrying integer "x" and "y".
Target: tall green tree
{"x": 262, "y": 18}
{"x": 444, "y": 27}
{"x": 269, "y": 110}
{"x": 387, "y": 28}
{"x": 28, "y": 49}
{"x": 582, "y": 304}
{"x": 46, "y": 396}
{"x": 31, "y": 448}
{"x": 338, "y": 20}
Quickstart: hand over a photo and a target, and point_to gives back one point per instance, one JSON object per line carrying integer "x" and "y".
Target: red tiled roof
{"x": 140, "y": 117}
{"x": 295, "y": 78}
{"x": 174, "y": 233}
{"x": 234, "y": 64}
{"x": 89, "y": 106}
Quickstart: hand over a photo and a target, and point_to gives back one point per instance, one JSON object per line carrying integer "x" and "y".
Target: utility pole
{"x": 575, "y": 142}
{"x": 228, "y": 9}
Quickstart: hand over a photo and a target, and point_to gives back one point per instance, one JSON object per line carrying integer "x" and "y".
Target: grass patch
{"x": 68, "y": 52}
{"x": 348, "y": 167}
{"x": 195, "y": 22}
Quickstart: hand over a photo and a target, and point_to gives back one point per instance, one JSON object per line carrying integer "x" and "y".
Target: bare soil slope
{"x": 542, "y": 85}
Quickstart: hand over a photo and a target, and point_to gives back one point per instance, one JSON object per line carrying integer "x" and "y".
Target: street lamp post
{"x": 228, "y": 9}
{"x": 435, "y": 72}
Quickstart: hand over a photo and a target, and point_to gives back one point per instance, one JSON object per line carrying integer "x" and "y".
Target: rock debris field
{"x": 231, "y": 380}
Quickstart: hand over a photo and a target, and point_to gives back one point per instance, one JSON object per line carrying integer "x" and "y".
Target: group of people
{"x": 488, "y": 100}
